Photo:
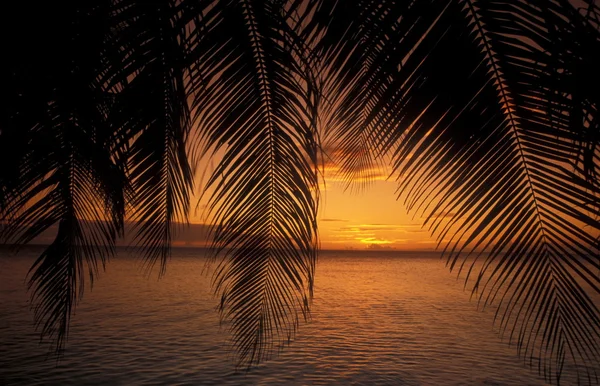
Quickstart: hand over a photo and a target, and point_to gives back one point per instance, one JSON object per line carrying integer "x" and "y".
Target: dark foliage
{"x": 485, "y": 109}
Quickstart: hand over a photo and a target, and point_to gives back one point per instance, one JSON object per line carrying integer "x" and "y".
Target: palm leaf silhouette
{"x": 154, "y": 117}
{"x": 59, "y": 168}
{"x": 480, "y": 122}
{"x": 258, "y": 108}
{"x": 486, "y": 109}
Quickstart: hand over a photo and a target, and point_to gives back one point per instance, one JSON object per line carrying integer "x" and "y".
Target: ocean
{"x": 378, "y": 318}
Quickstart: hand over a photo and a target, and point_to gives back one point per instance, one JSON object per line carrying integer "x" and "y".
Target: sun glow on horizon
{"x": 364, "y": 214}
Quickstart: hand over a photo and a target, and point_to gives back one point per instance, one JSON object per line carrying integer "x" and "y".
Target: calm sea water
{"x": 393, "y": 318}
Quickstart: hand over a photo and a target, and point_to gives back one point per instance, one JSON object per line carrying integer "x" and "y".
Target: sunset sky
{"x": 369, "y": 218}
{"x": 357, "y": 217}
{"x": 372, "y": 217}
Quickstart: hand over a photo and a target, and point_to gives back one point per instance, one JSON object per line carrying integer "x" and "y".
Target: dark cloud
{"x": 191, "y": 235}
{"x": 185, "y": 235}
{"x": 377, "y": 227}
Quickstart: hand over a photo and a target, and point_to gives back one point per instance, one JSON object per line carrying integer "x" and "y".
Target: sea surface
{"x": 378, "y": 318}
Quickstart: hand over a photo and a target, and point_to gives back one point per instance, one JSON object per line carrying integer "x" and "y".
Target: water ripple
{"x": 377, "y": 320}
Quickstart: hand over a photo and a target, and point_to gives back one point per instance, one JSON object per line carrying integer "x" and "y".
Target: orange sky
{"x": 348, "y": 218}
{"x": 353, "y": 218}
{"x": 371, "y": 218}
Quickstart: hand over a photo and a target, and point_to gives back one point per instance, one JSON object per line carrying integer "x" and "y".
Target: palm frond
{"x": 489, "y": 110}
{"x": 256, "y": 107}
{"x": 153, "y": 117}
{"x": 59, "y": 169}
{"x": 489, "y": 124}
{"x": 364, "y": 45}
{"x": 347, "y": 58}
{"x": 574, "y": 74}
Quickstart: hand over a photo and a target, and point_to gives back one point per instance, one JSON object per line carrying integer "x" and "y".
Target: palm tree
{"x": 487, "y": 110}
